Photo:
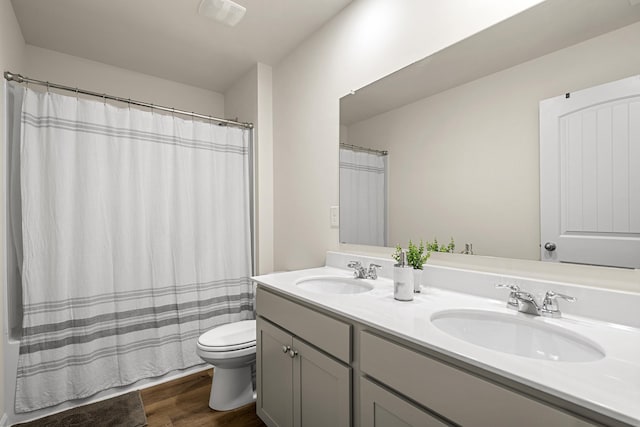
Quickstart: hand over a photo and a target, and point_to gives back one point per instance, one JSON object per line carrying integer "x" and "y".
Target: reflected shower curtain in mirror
{"x": 136, "y": 239}
{"x": 363, "y": 197}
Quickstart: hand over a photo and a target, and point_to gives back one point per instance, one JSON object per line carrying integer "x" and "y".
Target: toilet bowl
{"x": 231, "y": 349}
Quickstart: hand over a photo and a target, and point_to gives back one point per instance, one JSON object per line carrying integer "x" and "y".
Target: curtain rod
{"x": 21, "y": 79}
{"x": 365, "y": 149}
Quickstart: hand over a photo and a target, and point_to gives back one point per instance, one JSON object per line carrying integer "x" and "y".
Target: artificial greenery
{"x": 436, "y": 247}
{"x": 416, "y": 255}
{"x": 397, "y": 254}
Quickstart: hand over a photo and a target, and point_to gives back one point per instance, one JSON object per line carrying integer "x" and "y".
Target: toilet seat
{"x": 229, "y": 338}
{"x": 215, "y": 357}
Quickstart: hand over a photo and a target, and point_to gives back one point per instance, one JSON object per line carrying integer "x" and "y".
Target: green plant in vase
{"x": 433, "y": 246}
{"x": 450, "y": 247}
{"x": 436, "y": 247}
{"x": 416, "y": 255}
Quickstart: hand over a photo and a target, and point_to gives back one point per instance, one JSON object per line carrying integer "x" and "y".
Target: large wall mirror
{"x": 449, "y": 146}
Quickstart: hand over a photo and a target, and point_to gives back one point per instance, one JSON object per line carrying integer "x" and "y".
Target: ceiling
{"x": 168, "y": 39}
{"x": 542, "y": 29}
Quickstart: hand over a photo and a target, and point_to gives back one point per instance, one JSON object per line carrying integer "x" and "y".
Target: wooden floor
{"x": 185, "y": 402}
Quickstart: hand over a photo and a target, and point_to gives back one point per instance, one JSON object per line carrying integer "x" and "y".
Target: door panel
{"x": 590, "y": 175}
{"x": 274, "y": 375}
{"x": 323, "y": 385}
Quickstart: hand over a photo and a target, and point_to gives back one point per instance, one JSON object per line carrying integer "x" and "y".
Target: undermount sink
{"x": 517, "y": 335}
{"x": 334, "y": 285}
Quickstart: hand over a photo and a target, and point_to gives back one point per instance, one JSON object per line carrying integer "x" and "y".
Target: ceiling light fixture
{"x": 225, "y": 11}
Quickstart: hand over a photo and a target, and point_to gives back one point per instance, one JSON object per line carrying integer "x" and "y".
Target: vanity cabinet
{"x": 455, "y": 395}
{"x": 299, "y": 383}
{"x": 317, "y": 368}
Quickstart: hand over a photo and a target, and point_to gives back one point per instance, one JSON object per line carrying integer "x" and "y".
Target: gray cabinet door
{"x": 274, "y": 375}
{"x": 322, "y": 389}
{"x": 381, "y": 408}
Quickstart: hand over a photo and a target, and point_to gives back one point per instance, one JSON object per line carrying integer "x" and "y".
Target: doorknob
{"x": 550, "y": 246}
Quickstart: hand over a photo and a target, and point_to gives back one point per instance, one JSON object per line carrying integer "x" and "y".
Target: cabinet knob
{"x": 285, "y": 348}
{"x": 293, "y": 353}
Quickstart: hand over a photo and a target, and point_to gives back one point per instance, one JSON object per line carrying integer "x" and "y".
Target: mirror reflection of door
{"x": 363, "y": 195}
{"x": 590, "y": 175}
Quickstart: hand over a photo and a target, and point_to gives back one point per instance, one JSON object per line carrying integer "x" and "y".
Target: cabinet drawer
{"x": 325, "y": 332}
{"x": 456, "y": 395}
{"x": 381, "y": 408}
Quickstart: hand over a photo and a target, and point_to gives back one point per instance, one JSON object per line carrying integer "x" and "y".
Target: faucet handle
{"x": 550, "y": 306}
{"x": 512, "y": 302}
{"x": 373, "y": 273}
{"x": 354, "y": 264}
{"x": 358, "y": 269}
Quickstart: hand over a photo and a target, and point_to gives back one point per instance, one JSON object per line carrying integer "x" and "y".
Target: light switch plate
{"x": 334, "y": 214}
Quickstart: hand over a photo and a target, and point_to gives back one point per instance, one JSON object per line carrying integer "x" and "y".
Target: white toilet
{"x": 231, "y": 349}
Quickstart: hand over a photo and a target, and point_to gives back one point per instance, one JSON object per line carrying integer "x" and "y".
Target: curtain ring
{"x": 47, "y": 87}
{"x": 129, "y": 104}
{"x": 76, "y": 94}
{"x": 173, "y": 112}
{"x": 104, "y": 98}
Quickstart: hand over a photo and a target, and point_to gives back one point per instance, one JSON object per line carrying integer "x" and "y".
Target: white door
{"x": 590, "y": 175}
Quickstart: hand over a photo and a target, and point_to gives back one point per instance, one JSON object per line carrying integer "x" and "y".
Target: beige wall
{"x": 250, "y": 99}
{"x": 264, "y": 149}
{"x": 464, "y": 163}
{"x": 49, "y": 65}
{"x": 366, "y": 41}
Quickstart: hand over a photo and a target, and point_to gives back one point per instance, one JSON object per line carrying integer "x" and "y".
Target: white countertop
{"x": 610, "y": 386}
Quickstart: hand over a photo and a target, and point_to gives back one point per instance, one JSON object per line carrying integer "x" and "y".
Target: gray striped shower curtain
{"x": 135, "y": 239}
{"x": 363, "y": 198}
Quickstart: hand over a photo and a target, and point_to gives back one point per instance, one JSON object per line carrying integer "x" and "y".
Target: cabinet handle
{"x": 293, "y": 353}
{"x": 286, "y": 348}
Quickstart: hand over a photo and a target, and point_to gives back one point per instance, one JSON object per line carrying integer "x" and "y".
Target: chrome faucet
{"x": 550, "y": 306}
{"x": 525, "y": 302}
{"x": 468, "y": 249}
{"x": 360, "y": 272}
{"x": 512, "y": 302}
{"x": 373, "y": 273}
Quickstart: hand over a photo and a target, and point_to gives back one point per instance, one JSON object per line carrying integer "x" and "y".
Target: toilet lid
{"x": 227, "y": 337}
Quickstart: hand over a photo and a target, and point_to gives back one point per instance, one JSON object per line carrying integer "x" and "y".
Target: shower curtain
{"x": 136, "y": 239}
{"x": 363, "y": 197}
